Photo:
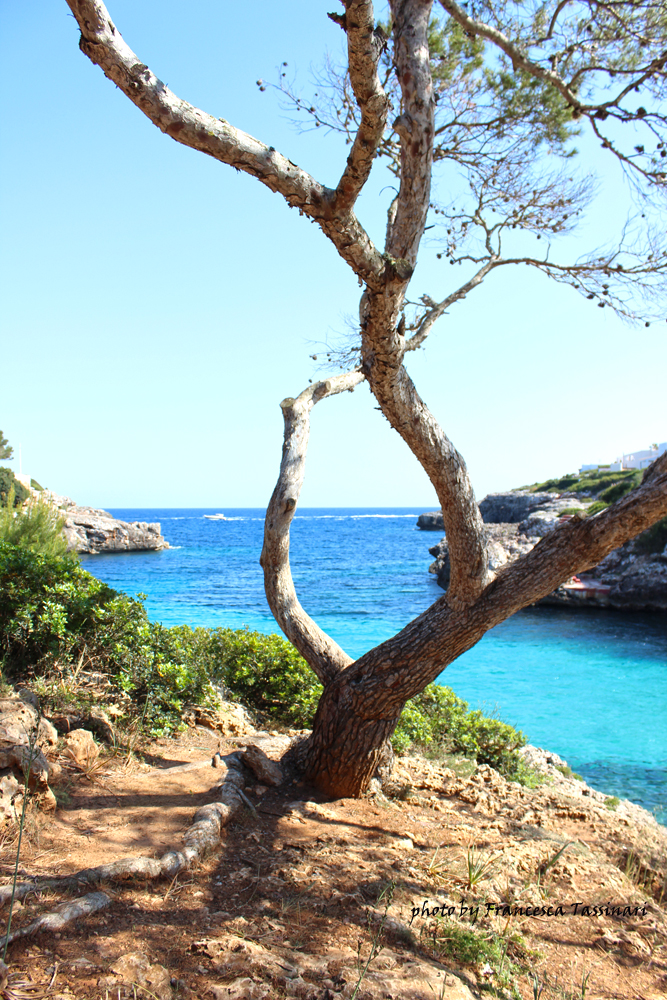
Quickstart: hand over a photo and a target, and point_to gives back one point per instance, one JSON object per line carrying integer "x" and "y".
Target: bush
{"x": 266, "y": 673}
{"x": 593, "y": 482}
{"x": 35, "y": 527}
{"x": 7, "y": 481}
{"x": 53, "y": 615}
{"x": 653, "y": 540}
{"x": 596, "y": 507}
{"x": 618, "y": 490}
{"x": 438, "y": 716}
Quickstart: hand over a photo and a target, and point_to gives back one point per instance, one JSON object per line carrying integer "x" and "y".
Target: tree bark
{"x": 324, "y": 655}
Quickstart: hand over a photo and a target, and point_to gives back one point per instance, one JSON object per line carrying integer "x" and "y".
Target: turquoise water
{"x": 591, "y": 686}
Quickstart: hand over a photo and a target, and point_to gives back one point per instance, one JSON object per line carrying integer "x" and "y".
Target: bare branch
{"x": 103, "y": 44}
{"x": 364, "y": 45}
{"x": 436, "y": 310}
{"x": 324, "y": 655}
{"x": 415, "y": 126}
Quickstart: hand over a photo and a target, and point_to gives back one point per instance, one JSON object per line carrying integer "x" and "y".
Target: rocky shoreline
{"x": 629, "y": 578}
{"x": 90, "y": 531}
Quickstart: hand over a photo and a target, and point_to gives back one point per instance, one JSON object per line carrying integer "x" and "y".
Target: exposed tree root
{"x": 63, "y": 915}
{"x": 202, "y": 837}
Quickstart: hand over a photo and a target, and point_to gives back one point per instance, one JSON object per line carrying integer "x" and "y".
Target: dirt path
{"x": 301, "y": 888}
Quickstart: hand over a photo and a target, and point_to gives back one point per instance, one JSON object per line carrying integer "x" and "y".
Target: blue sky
{"x": 157, "y": 306}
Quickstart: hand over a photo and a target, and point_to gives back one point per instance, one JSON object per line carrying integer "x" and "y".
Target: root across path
{"x": 175, "y": 878}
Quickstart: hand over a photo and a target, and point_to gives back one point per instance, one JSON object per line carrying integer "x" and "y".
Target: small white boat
{"x": 216, "y": 517}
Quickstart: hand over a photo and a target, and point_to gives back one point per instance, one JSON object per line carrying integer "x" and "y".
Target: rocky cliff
{"x": 90, "y": 531}
{"x": 509, "y": 508}
{"x": 633, "y": 577}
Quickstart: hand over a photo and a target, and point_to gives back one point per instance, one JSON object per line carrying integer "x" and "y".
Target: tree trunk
{"x": 348, "y": 747}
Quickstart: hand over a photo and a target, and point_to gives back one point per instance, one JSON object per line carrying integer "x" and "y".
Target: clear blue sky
{"x": 157, "y": 306}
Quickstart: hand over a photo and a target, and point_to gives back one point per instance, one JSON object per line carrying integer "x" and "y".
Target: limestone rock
{"x": 227, "y": 718}
{"x": 96, "y": 720}
{"x": 628, "y": 578}
{"x": 510, "y": 508}
{"x": 21, "y": 760}
{"x": 516, "y": 505}
{"x": 89, "y": 530}
{"x": 431, "y": 521}
{"x": 81, "y": 746}
{"x": 20, "y": 719}
{"x": 135, "y": 968}
{"x": 10, "y": 791}
{"x": 241, "y": 989}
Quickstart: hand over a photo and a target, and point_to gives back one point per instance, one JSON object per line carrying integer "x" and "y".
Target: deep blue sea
{"x": 589, "y": 685}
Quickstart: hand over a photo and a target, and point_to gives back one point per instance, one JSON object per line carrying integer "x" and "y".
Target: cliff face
{"x": 90, "y": 531}
{"x": 509, "y": 508}
{"x": 630, "y": 578}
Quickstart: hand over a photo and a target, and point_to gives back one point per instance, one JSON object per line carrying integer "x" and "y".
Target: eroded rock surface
{"x": 90, "y": 531}
{"x": 627, "y": 579}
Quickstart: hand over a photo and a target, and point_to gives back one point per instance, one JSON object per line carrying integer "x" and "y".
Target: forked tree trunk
{"x": 362, "y": 700}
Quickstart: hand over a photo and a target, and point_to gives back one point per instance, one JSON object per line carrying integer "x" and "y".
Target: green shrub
{"x": 618, "y": 490}
{"x": 572, "y": 511}
{"x": 7, "y": 481}
{"x": 45, "y": 603}
{"x": 653, "y": 540}
{"x": 567, "y": 772}
{"x": 592, "y": 482}
{"x": 266, "y": 673}
{"x": 439, "y": 716}
{"x": 54, "y": 615}
{"x": 34, "y": 526}
{"x": 596, "y": 507}
{"x": 35, "y": 486}
{"x": 554, "y": 485}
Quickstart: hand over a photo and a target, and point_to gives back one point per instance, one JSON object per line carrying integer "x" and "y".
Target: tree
{"x": 495, "y": 94}
{"x": 6, "y": 451}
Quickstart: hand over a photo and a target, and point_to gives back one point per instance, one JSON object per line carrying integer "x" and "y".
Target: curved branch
{"x": 325, "y": 656}
{"x": 104, "y": 45}
{"x": 364, "y": 47}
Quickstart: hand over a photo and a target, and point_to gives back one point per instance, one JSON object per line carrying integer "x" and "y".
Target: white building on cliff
{"x": 633, "y": 460}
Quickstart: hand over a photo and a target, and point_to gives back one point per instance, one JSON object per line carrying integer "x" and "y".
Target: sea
{"x": 589, "y": 685}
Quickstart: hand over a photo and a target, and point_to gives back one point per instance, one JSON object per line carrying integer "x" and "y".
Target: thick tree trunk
{"x": 347, "y": 748}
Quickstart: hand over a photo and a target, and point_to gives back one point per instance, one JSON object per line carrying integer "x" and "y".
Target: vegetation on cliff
{"x": 607, "y": 487}
{"x": 9, "y": 483}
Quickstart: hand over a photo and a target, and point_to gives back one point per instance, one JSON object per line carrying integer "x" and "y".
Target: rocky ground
{"x": 455, "y": 885}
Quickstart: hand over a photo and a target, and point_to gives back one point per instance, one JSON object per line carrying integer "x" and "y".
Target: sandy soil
{"x": 303, "y": 891}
